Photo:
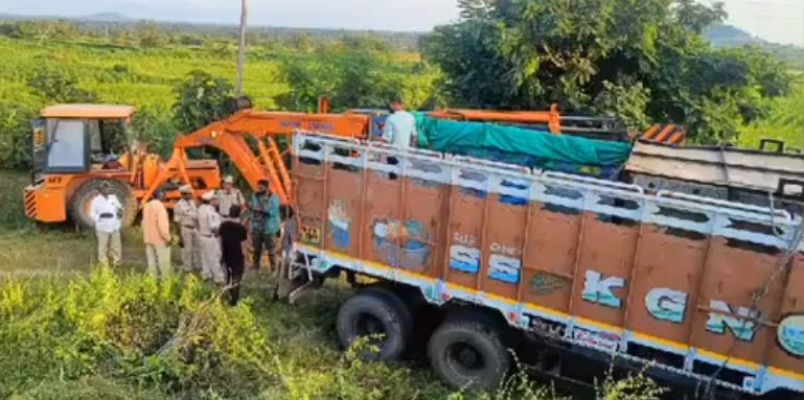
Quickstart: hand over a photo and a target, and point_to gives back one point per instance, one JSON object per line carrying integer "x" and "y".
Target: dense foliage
{"x": 202, "y": 99}
{"x": 644, "y": 60}
{"x": 129, "y": 336}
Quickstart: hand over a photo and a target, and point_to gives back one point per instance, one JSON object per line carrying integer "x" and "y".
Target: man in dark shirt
{"x": 233, "y": 234}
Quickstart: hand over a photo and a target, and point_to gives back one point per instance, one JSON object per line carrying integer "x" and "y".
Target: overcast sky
{"x": 780, "y": 21}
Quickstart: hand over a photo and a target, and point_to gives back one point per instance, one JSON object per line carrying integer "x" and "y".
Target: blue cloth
{"x": 267, "y": 219}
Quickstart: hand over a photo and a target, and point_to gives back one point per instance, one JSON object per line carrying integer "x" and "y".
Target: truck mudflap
{"x": 697, "y": 287}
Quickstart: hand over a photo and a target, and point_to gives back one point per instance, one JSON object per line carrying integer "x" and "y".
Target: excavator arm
{"x": 230, "y": 136}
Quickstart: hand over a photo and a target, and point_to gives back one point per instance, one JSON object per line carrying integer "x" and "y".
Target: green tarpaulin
{"x": 517, "y": 145}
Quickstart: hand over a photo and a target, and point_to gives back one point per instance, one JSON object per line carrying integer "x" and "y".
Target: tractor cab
{"x": 77, "y": 147}
{"x": 78, "y": 138}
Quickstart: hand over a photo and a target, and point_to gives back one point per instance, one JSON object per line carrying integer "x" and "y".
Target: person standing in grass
{"x": 107, "y": 212}
{"x": 156, "y": 234}
{"x": 266, "y": 223}
{"x": 209, "y": 222}
{"x": 233, "y": 234}
{"x": 185, "y": 215}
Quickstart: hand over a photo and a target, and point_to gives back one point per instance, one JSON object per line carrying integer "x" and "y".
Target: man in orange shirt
{"x": 156, "y": 234}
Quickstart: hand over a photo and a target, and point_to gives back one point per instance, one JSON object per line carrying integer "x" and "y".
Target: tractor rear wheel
{"x": 80, "y": 202}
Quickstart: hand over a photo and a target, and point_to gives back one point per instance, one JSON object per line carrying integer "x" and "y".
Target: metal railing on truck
{"x": 698, "y": 287}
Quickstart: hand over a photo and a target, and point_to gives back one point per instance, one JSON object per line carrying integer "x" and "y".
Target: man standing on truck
{"x": 266, "y": 223}
{"x": 229, "y": 196}
{"x": 185, "y": 215}
{"x": 400, "y": 127}
{"x": 156, "y": 235}
{"x": 107, "y": 212}
{"x": 209, "y": 221}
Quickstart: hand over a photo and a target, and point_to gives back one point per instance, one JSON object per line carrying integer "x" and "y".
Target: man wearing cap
{"x": 229, "y": 196}
{"x": 156, "y": 235}
{"x": 107, "y": 213}
{"x": 209, "y": 221}
{"x": 266, "y": 223}
{"x": 185, "y": 215}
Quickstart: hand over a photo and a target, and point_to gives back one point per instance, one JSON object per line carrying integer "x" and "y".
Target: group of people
{"x": 211, "y": 232}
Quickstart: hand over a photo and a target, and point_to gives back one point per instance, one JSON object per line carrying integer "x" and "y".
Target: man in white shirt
{"x": 229, "y": 196}
{"x": 107, "y": 212}
{"x": 400, "y": 127}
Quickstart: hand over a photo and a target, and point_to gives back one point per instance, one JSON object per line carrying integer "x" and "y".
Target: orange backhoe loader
{"x": 76, "y": 147}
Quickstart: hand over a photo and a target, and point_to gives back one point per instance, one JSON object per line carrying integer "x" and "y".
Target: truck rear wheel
{"x": 468, "y": 354}
{"x": 79, "y": 207}
{"x": 378, "y": 316}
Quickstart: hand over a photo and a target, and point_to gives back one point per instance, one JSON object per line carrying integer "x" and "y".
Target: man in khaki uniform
{"x": 185, "y": 215}
{"x": 156, "y": 235}
{"x": 208, "y": 223}
{"x": 229, "y": 196}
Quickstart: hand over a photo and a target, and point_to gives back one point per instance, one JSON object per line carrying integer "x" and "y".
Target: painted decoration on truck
{"x": 402, "y": 245}
{"x": 741, "y": 323}
{"x": 600, "y": 289}
{"x": 666, "y": 304}
{"x": 311, "y": 235}
{"x": 545, "y": 283}
{"x": 790, "y": 335}
{"x": 505, "y": 269}
{"x": 603, "y": 341}
{"x": 464, "y": 259}
{"x": 340, "y": 224}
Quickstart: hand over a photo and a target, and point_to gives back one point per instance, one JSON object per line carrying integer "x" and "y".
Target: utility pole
{"x": 241, "y": 55}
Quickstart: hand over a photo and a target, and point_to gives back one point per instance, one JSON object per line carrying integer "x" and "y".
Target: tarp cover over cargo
{"x": 526, "y": 147}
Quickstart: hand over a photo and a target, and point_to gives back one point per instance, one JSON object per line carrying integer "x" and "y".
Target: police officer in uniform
{"x": 185, "y": 215}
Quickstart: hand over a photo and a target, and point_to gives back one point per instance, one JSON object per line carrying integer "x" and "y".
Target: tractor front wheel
{"x": 81, "y": 201}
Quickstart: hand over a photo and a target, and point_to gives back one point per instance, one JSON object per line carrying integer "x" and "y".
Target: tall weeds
{"x": 110, "y": 336}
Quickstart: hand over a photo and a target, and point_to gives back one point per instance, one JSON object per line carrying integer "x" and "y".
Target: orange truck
{"x": 694, "y": 289}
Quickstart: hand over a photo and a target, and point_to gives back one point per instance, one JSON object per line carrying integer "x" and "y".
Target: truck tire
{"x": 82, "y": 198}
{"x": 373, "y": 312}
{"x": 468, "y": 354}
{"x": 401, "y": 306}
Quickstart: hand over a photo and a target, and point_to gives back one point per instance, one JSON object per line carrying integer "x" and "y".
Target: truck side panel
{"x": 700, "y": 284}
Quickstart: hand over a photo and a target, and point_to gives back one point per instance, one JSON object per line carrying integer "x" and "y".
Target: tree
{"x": 641, "y": 59}
{"x": 55, "y": 86}
{"x": 357, "y": 72}
{"x": 202, "y": 99}
{"x": 150, "y": 35}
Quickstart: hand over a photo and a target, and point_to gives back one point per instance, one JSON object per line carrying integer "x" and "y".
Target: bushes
{"x": 174, "y": 337}
{"x": 111, "y": 336}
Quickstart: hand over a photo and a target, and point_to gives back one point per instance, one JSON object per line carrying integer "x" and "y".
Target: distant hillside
{"x": 106, "y": 17}
{"x": 730, "y": 36}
